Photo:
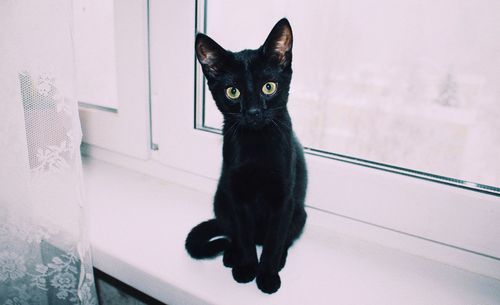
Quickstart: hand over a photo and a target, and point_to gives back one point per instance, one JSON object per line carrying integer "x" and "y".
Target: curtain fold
{"x": 44, "y": 247}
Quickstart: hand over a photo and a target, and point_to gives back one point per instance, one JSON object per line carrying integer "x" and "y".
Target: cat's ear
{"x": 278, "y": 45}
{"x": 210, "y": 54}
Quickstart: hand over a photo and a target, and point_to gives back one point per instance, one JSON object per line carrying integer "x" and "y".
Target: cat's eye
{"x": 269, "y": 88}
{"x": 232, "y": 93}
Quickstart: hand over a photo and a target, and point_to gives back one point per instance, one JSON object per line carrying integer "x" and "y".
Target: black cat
{"x": 260, "y": 195}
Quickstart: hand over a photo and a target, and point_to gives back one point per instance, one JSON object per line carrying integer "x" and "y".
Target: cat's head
{"x": 250, "y": 87}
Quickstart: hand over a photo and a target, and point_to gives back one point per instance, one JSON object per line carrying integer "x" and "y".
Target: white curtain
{"x": 44, "y": 249}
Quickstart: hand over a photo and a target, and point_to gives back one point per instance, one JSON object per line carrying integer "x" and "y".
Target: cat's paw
{"x": 244, "y": 274}
{"x": 268, "y": 283}
{"x": 229, "y": 258}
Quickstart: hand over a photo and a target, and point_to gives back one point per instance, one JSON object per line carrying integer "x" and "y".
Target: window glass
{"x": 95, "y": 58}
{"x": 409, "y": 84}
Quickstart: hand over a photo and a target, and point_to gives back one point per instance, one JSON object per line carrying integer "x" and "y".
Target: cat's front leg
{"x": 242, "y": 250}
{"x": 229, "y": 258}
{"x": 271, "y": 259}
{"x": 241, "y": 254}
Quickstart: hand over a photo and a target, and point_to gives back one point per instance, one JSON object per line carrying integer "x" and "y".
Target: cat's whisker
{"x": 283, "y": 124}
{"x": 283, "y": 137}
{"x": 235, "y": 130}
{"x": 275, "y": 108}
{"x": 236, "y": 114}
{"x": 231, "y": 127}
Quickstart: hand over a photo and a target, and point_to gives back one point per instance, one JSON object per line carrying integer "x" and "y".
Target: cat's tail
{"x": 200, "y": 242}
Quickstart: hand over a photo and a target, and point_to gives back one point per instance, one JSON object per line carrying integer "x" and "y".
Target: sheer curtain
{"x": 44, "y": 249}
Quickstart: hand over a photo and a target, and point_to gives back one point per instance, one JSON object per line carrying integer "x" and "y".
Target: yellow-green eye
{"x": 232, "y": 93}
{"x": 269, "y": 88}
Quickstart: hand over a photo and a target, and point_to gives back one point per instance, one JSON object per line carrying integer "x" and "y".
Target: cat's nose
{"x": 254, "y": 112}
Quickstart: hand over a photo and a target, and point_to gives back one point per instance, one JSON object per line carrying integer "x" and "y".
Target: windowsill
{"x": 138, "y": 225}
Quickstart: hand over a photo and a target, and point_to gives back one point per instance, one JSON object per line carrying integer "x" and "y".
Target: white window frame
{"x": 125, "y": 130}
{"x": 449, "y": 215}
{"x": 448, "y": 223}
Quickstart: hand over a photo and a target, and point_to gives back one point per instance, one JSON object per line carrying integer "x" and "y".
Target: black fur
{"x": 199, "y": 243}
{"x": 261, "y": 190}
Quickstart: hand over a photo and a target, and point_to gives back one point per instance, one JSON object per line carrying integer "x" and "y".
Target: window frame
{"x": 200, "y": 123}
{"x": 453, "y": 216}
{"x": 127, "y": 129}
{"x": 449, "y": 224}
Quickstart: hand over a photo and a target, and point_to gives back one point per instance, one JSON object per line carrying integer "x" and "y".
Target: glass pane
{"x": 404, "y": 83}
{"x": 95, "y": 52}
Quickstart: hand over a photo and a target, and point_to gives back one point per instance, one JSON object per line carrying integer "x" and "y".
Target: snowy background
{"x": 410, "y": 83}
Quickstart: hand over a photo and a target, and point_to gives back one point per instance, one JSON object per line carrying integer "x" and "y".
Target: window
{"x": 352, "y": 165}
{"x": 404, "y": 87}
{"x": 94, "y": 40}
{"x": 112, "y": 65}
{"x": 185, "y": 128}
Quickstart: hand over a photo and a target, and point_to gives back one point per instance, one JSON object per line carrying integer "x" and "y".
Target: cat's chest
{"x": 258, "y": 162}
{"x": 249, "y": 182}
{"x": 255, "y": 176}
{"x": 263, "y": 152}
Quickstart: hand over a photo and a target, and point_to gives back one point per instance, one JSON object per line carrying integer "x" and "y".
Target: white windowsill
{"x": 138, "y": 225}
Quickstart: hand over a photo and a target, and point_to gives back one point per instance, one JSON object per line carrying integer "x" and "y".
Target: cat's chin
{"x": 254, "y": 125}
